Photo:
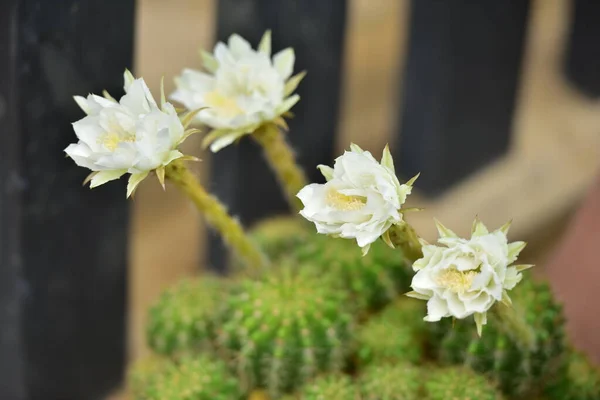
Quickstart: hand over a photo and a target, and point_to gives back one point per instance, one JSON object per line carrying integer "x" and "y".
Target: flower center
{"x": 455, "y": 280}
{"x": 343, "y": 202}
{"x": 226, "y": 105}
{"x": 112, "y": 140}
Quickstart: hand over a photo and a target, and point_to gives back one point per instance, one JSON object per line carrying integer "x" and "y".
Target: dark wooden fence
{"x": 63, "y": 249}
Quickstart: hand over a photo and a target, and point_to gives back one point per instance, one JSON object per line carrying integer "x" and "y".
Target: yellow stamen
{"x": 455, "y": 280}
{"x": 224, "y": 104}
{"x": 112, "y": 140}
{"x": 343, "y": 202}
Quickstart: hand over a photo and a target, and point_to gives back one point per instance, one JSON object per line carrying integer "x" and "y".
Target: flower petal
{"x": 284, "y": 62}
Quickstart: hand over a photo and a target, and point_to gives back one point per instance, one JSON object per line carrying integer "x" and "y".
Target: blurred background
{"x": 496, "y": 103}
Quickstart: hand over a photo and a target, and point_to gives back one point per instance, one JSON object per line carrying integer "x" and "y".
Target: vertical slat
{"x": 583, "y": 53}
{"x": 315, "y": 29}
{"x": 12, "y": 385}
{"x": 459, "y": 87}
{"x": 66, "y": 255}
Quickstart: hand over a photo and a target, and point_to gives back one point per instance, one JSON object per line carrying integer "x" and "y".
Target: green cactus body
{"x": 185, "y": 316}
{"x": 518, "y": 371}
{"x": 285, "y": 328}
{"x": 329, "y": 387}
{"x": 279, "y": 236}
{"x": 374, "y": 280}
{"x": 458, "y": 383}
{"x": 580, "y": 380}
{"x": 392, "y": 381}
{"x": 395, "y": 335}
{"x": 190, "y": 378}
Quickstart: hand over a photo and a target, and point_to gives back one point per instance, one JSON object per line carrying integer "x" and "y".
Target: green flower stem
{"x": 515, "y": 326}
{"x": 281, "y": 157}
{"x": 216, "y": 214}
{"x": 405, "y": 237}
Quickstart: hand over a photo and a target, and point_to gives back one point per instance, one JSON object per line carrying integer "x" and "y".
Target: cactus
{"x": 458, "y": 383}
{"x": 144, "y": 372}
{"x": 580, "y": 380}
{"x": 396, "y": 381}
{"x": 278, "y": 236}
{"x": 185, "y": 316}
{"x": 374, "y": 280}
{"x": 189, "y": 378}
{"x": 517, "y": 370}
{"x": 285, "y": 328}
{"x": 395, "y": 335}
{"x": 329, "y": 387}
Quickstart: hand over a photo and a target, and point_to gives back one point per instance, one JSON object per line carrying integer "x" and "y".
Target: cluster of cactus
{"x": 323, "y": 322}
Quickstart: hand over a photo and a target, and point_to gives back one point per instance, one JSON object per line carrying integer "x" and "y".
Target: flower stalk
{"x": 216, "y": 214}
{"x": 282, "y": 160}
{"x": 405, "y": 237}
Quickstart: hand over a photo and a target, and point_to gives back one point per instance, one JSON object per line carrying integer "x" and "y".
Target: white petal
{"x": 105, "y": 176}
{"x": 284, "y": 62}
{"x": 436, "y": 309}
{"x": 134, "y": 181}
{"x": 265, "y": 44}
{"x": 238, "y": 46}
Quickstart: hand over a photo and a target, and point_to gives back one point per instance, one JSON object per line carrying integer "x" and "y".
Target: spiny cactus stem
{"x": 405, "y": 237}
{"x": 282, "y": 160}
{"x": 216, "y": 214}
{"x": 515, "y": 326}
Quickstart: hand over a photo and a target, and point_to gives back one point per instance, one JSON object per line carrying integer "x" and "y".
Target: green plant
{"x": 458, "y": 383}
{"x": 188, "y": 378}
{"x": 580, "y": 380}
{"x": 185, "y": 315}
{"x": 498, "y": 354}
{"x": 285, "y": 328}
{"x": 392, "y": 381}
{"x": 329, "y": 387}
{"x": 395, "y": 335}
{"x": 279, "y": 236}
{"x": 373, "y": 280}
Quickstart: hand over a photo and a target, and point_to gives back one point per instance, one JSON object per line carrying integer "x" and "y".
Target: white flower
{"x": 132, "y": 135}
{"x": 361, "y": 199}
{"x": 242, "y": 89}
{"x": 467, "y": 277}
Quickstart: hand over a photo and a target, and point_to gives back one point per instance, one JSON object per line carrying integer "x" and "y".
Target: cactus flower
{"x": 466, "y": 277}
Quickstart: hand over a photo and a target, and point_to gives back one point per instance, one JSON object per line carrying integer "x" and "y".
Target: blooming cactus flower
{"x": 466, "y": 277}
{"x": 242, "y": 89}
{"x": 133, "y": 135}
{"x": 361, "y": 199}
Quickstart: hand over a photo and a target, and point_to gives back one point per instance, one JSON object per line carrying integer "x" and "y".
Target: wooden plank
{"x": 65, "y": 259}
{"x": 582, "y": 56}
{"x": 315, "y": 29}
{"x": 459, "y": 90}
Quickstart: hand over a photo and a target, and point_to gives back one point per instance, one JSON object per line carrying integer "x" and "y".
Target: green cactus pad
{"x": 285, "y": 328}
{"x": 517, "y": 371}
{"x": 458, "y": 383}
{"x": 190, "y": 378}
{"x": 395, "y": 335}
{"x": 185, "y": 315}
{"x": 580, "y": 380}
{"x": 393, "y": 381}
{"x": 374, "y": 280}
{"x": 329, "y": 387}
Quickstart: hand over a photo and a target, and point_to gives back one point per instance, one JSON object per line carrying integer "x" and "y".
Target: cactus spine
{"x": 185, "y": 316}
{"x": 373, "y": 280}
{"x": 394, "y": 335}
{"x": 458, "y": 383}
{"x": 188, "y": 378}
{"x": 285, "y": 328}
{"x": 329, "y": 387}
{"x": 395, "y": 381}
